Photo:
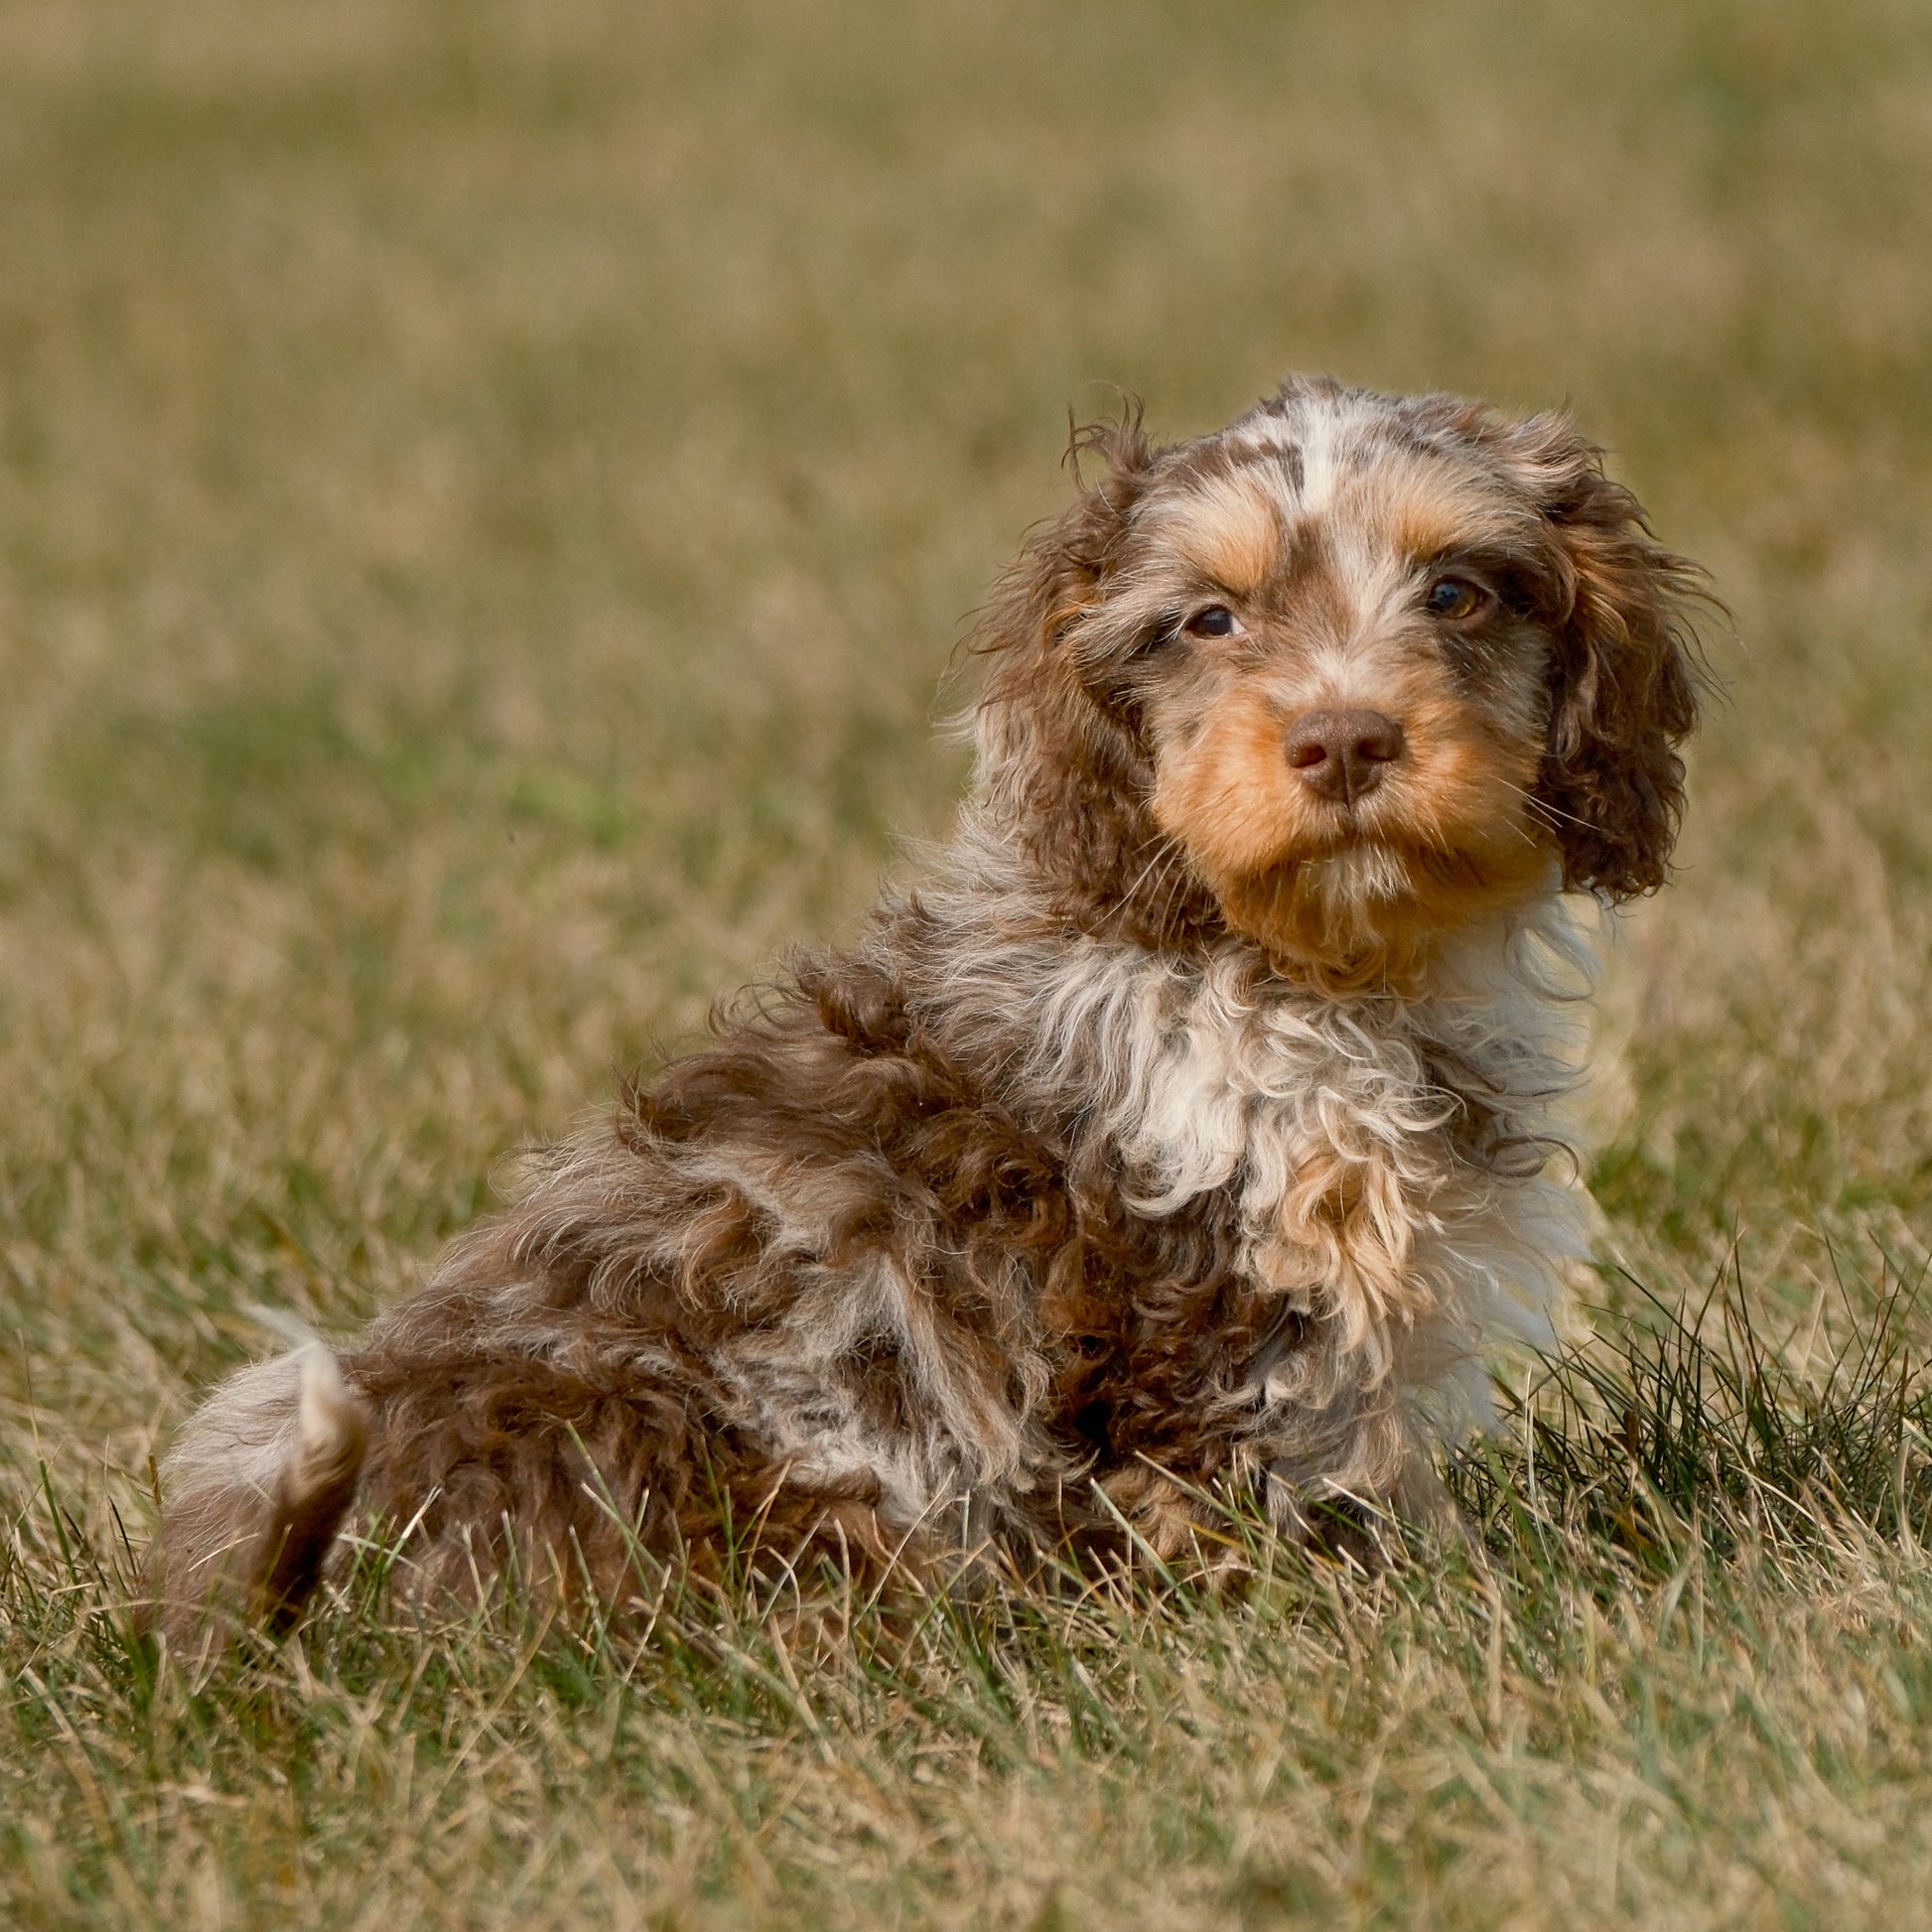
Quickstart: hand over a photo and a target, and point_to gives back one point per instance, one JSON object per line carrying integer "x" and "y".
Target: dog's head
{"x": 1350, "y": 674}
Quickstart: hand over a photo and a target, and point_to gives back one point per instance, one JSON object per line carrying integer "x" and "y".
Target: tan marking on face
{"x": 1412, "y": 510}
{"x": 1228, "y": 793}
{"x": 1230, "y": 530}
{"x": 1446, "y": 837}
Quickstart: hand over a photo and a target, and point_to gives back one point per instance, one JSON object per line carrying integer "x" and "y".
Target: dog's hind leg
{"x": 255, "y": 1489}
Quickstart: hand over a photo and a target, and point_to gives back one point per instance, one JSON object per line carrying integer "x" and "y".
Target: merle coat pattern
{"x": 1189, "y": 1131}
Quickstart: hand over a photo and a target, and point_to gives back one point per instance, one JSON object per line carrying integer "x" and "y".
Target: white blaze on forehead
{"x": 1320, "y": 461}
{"x": 1373, "y": 573}
{"x": 1312, "y": 435}
{"x": 1306, "y": 439}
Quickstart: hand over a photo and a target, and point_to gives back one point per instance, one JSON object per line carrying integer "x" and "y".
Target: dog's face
{"x": 1340, "y": 683}
{"x": 1350, "y": 674}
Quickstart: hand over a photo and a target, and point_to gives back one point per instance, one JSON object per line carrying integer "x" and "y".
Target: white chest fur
{"x": 1343, "y": 1129}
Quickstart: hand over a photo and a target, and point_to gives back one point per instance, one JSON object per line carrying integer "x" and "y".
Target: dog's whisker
{"x": 1539, "y": 804}
{"x": 1164, "y": 855}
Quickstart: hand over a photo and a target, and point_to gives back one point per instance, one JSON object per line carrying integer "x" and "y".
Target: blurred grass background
{"x": 487, "y": 493}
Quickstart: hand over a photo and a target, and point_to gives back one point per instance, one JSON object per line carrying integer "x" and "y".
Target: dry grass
{"x": 486, "y": 493}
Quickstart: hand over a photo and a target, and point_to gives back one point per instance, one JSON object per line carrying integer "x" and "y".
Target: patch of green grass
{"x": 487, "y": 496}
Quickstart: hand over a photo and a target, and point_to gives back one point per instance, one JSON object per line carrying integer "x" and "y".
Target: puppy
{"x": 1182, "y": 1137}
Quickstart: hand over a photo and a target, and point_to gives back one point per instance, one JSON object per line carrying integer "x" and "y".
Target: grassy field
{"x": 487, "y": 493}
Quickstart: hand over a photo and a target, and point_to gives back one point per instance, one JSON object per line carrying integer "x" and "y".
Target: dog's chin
{"x": 1357, "y": 907}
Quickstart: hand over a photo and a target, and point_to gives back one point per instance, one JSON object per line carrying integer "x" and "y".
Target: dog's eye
{"x": 1453, "y": 598}
{"x": 1217, "y": 621}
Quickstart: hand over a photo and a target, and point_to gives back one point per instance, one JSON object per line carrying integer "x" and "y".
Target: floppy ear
{"x": 1623, "y": 678}
{"x": 1059, "y": 573}
{"x": 1062, "y": 769}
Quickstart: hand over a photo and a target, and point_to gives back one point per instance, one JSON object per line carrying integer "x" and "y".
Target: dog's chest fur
{"x": 1356, "y": 1189}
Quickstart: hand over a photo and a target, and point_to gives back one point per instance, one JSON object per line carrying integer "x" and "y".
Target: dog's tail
{"x": 255, "y": 1489}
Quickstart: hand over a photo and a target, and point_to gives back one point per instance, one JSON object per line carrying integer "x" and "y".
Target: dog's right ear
{"x": 1060, "y": 571}
{"x": 1064, "y": 773}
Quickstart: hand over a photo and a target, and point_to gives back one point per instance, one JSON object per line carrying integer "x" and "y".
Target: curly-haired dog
{"x": 1183, "y": 1135}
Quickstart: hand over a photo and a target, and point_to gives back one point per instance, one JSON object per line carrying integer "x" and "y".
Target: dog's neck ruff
{"x": 1387, "y": 1150}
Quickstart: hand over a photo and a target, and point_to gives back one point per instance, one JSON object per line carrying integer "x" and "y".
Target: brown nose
{"x": 1343, "y": 754}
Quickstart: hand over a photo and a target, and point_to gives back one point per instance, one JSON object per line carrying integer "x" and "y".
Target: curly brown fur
{"x": 1186, "y": 1134}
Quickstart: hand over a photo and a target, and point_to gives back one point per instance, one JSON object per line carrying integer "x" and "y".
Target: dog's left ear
{"x": 1624, "y": 677}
